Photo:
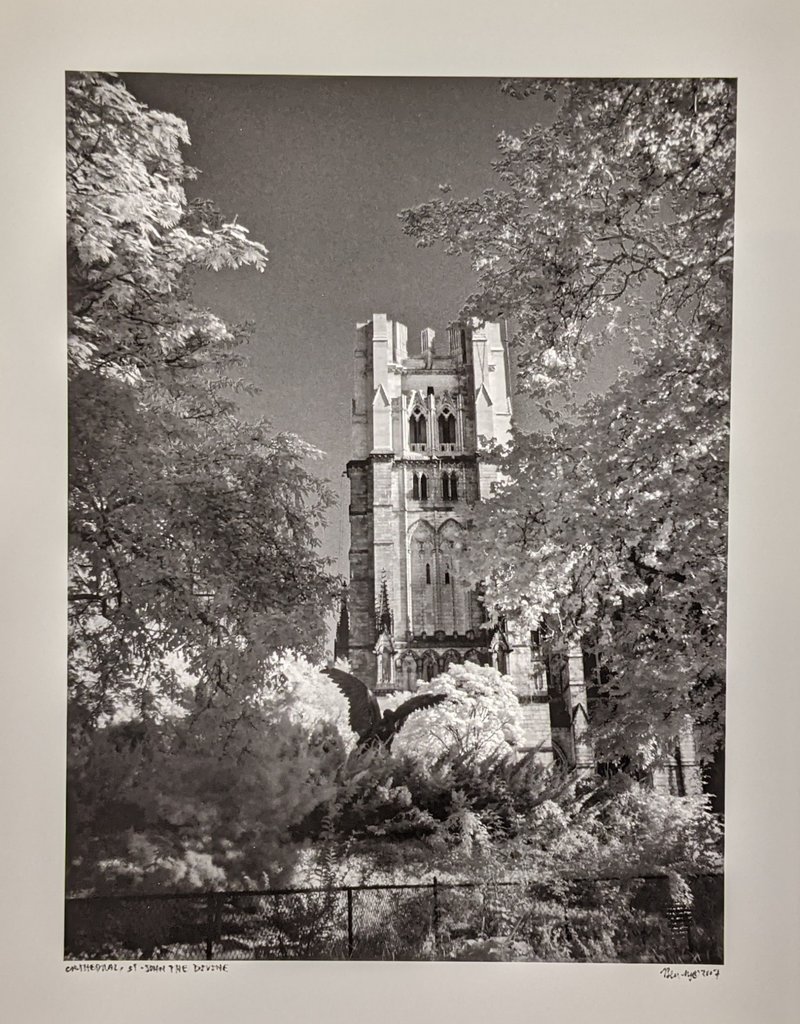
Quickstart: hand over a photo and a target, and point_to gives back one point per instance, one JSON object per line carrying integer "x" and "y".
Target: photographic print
{"x": 398, "y": 509}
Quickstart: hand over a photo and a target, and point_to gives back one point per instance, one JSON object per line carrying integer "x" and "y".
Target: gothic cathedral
{"x": 421, "y": 425}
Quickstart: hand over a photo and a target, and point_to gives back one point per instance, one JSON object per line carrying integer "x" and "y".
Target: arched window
{"x": 415, "y": 488}
{"x": 428, "y": 572}
{"x": 417, "y": 432}
{"x": 446, "y": 577}
{"x": 449, "y": 486}
{"x": 447, "y": 427}
{"x": 449, "y": 658}
{"x": 423, "y": 487}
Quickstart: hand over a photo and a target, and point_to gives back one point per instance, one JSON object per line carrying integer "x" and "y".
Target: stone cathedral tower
{"x": 420, "y": 426}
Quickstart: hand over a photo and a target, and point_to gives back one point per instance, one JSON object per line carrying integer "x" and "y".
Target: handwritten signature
{"x": 690, "y": 973}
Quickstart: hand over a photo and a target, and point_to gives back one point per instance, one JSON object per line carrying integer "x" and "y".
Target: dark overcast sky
{"x": 317, "y": 169}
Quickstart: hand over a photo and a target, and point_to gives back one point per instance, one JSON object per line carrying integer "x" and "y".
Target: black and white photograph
{"x": 399, "y": 523}
{"x": 398, "y": 490}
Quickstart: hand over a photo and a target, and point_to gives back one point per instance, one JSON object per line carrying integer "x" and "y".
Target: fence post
{"x": 209, "y": 927}
{"x": 214, "y": 906}
{"x": 349, "y": 921}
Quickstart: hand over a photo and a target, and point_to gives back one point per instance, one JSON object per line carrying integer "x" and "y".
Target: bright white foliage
{"x": 480, "y": 718}
{"x": 306, "y": 695}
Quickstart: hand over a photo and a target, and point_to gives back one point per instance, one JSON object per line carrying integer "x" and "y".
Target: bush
{"x": 210, "y": 799}
{"x": 480, "y": 718}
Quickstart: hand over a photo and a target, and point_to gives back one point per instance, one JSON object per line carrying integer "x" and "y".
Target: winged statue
{"x": 366, "y": 719}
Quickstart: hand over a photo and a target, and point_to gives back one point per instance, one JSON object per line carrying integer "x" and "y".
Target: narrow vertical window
{"x": 453, "y": 487}
{"x": 427, "y": 572}
{"x": 446, "y": 577}
{"x": 416, "y": 424}
{"x": 446, "y": 486}
{"x": 415, "y": 488}
{"x": 464, "y": 345}
{"x": 423, "y": 487}
{"x": 447, "y": 428}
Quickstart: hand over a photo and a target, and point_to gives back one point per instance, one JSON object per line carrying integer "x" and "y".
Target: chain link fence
{"x": 622, "y": 920}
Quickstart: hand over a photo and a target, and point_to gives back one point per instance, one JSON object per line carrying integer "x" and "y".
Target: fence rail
{"x": 575, "y": 919}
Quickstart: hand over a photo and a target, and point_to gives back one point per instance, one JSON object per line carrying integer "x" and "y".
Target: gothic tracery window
{"x": 417, "y": 428}
{"x": 447, "y": 427}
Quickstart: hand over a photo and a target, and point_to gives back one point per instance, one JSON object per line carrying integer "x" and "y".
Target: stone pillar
{"x": 361, "y": 442}
{"x": 459, "y": 414}
{"x": 400, "y": 346}
{"x": 361, "y": 593}
{"x": 497, "y": 383}
{"x": 427, "y": 346}
{"x": 383, "y": 524}
{"x": 577, "y": 703}
{"x": 381, "y": 403}
{"x": 431, "y": 438}
{"x": 690, "y": 766}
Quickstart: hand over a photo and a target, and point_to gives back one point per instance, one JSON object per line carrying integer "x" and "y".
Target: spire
{"x": 383, "y": 620}
{"x": 341, "y": 645}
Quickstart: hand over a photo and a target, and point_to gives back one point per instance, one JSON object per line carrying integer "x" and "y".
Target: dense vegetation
{"x": 613, "y": 222}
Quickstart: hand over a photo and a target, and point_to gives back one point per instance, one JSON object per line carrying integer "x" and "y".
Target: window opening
{"x": 427, "y": 572}
{"x": 417, "y": 431}
{"x": 447, "y": 427}
{"x": 415, "y": 488}
{"x": 423, "y": 488}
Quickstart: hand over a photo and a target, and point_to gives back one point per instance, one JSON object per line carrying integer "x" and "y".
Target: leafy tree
{"x": 614, "y": 222}
{"x": 192, "y": 533}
